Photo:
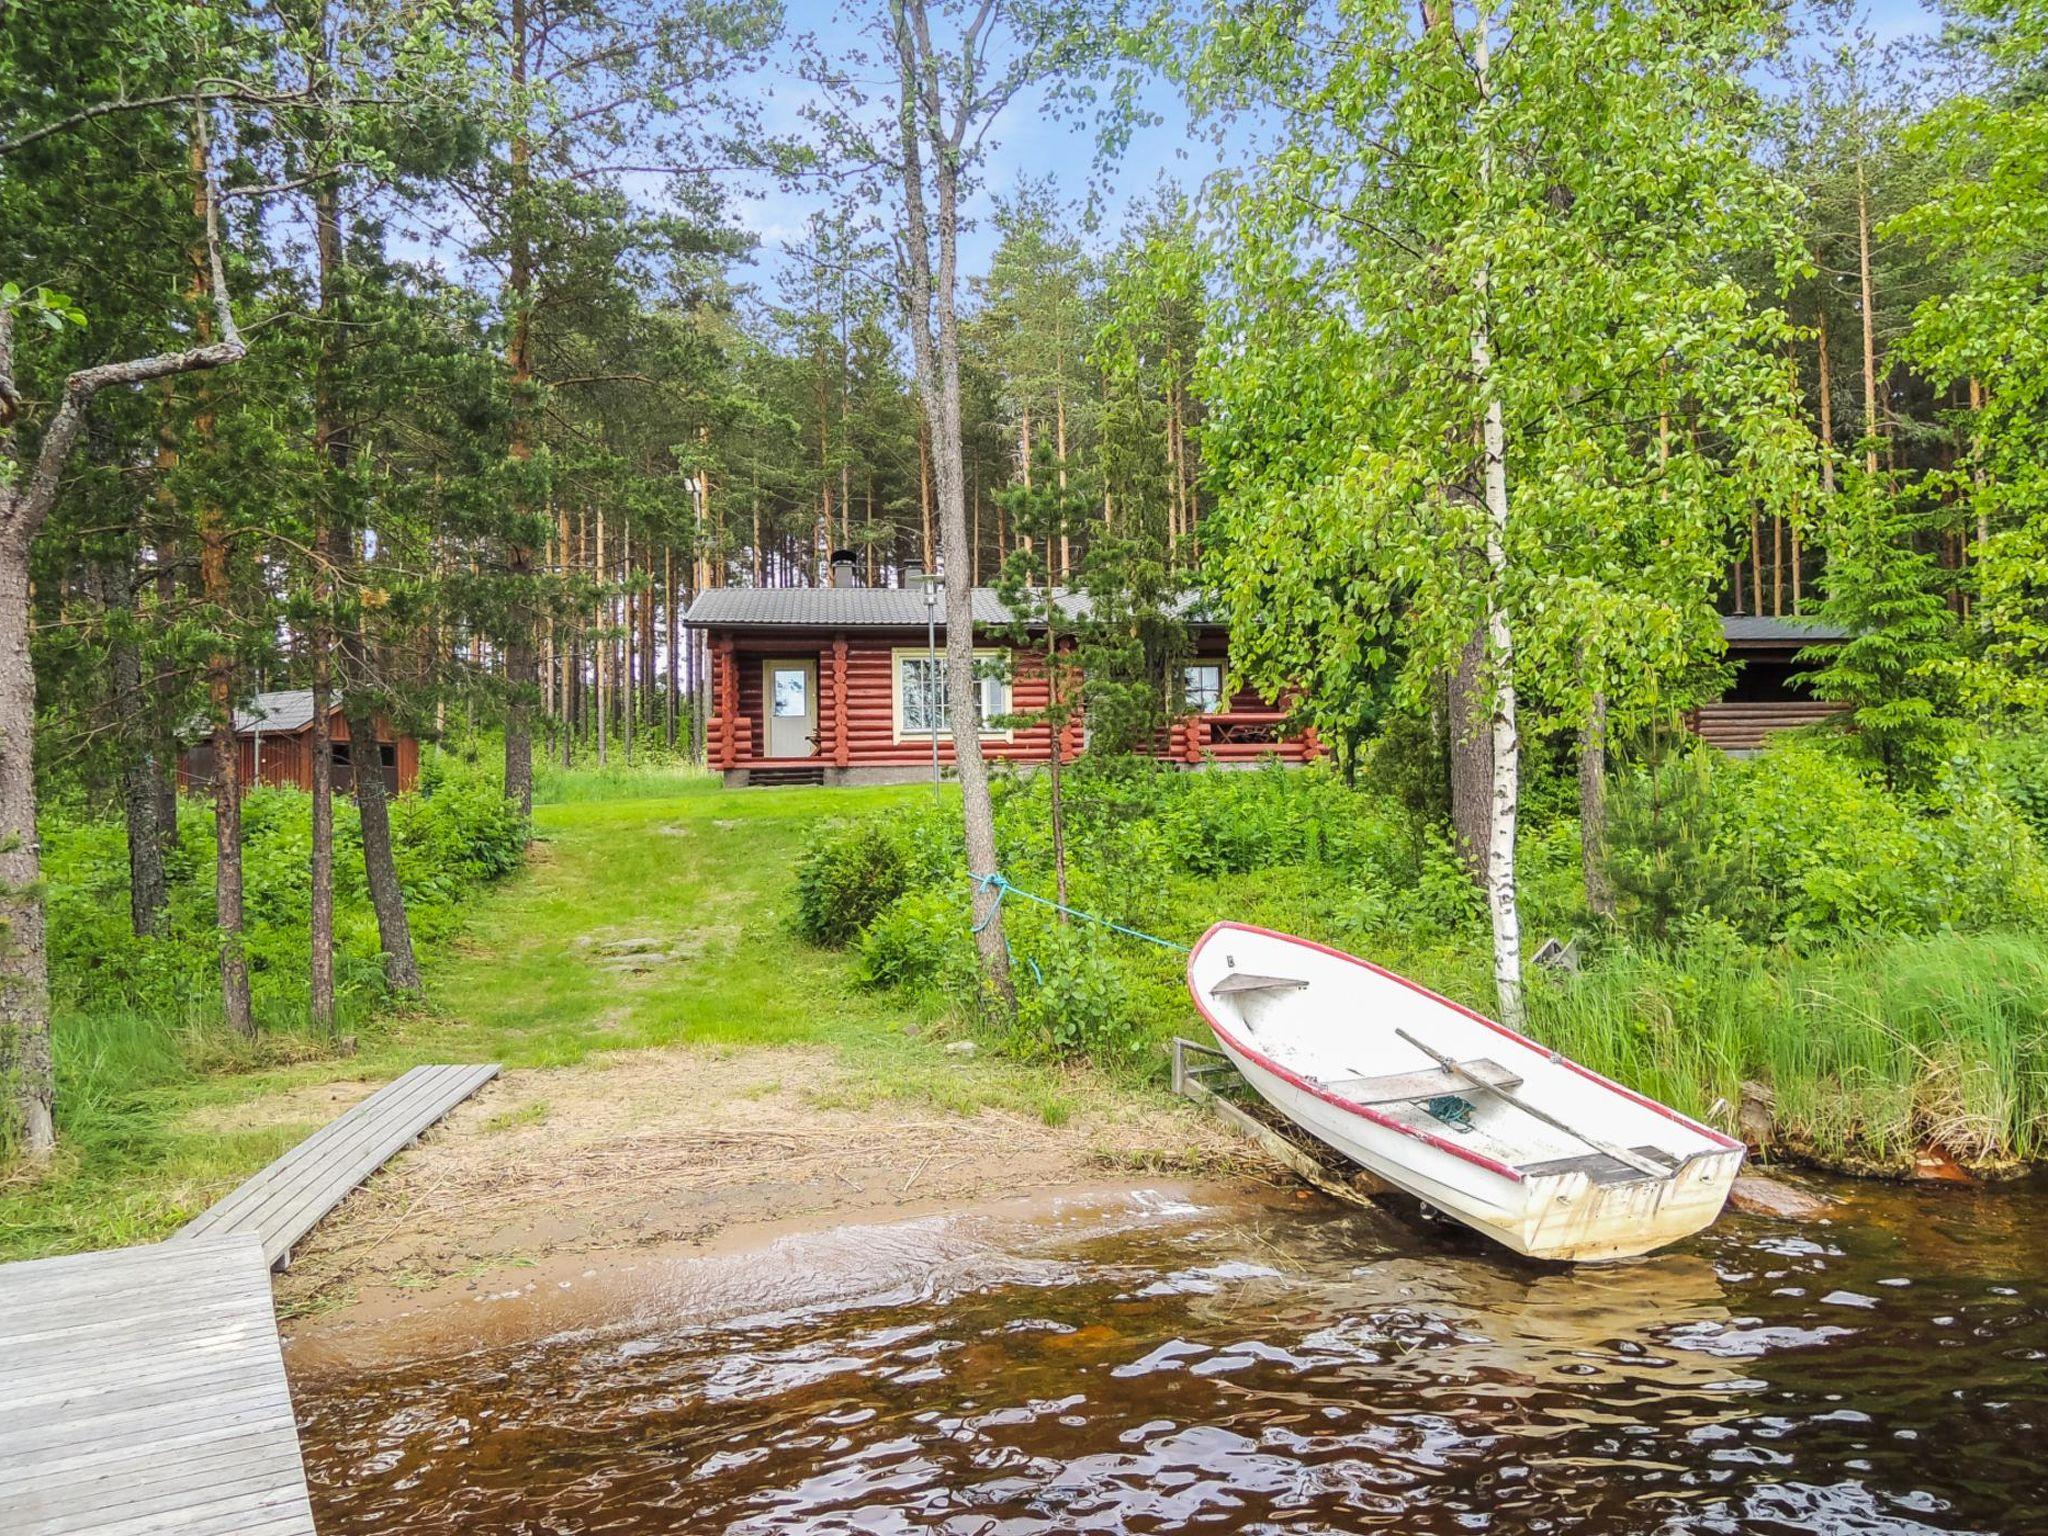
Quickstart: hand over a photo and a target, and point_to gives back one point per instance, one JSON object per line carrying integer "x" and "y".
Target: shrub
{"x": 1665, "y": 851}
{"x": 1833, "y": 852}
{"x": 917, "y": 941}
{"x": 462, "y": 835}
{"x": 1073, "y": 1000}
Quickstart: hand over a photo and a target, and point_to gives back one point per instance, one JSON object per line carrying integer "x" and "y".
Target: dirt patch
{"x": 676, "y": 1147}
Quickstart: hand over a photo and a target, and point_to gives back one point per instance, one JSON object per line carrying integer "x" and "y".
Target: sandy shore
{"x": 564, "y": 1176}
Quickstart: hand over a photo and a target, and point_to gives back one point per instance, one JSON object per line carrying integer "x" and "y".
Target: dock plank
{"x": 280, "y": 1203}
{"x": 210, "y": 1448}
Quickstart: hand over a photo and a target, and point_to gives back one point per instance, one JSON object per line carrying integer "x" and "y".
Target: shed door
{"x": 790, "y": 690}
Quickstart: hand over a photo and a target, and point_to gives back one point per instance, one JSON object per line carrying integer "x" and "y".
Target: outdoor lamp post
{"x": 932, "y": 693}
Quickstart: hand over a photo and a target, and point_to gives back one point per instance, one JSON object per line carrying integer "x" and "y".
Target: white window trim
{"x": 921, "y": 653}
{"x": 1222, "y": 704}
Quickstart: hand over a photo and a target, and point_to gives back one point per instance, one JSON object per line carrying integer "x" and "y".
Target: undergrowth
{"x": 1878, "y": 963}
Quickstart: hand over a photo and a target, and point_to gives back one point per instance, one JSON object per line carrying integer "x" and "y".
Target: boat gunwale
{"x": 1428, "y": 1138}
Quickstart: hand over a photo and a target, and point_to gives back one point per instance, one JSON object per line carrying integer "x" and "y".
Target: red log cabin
{"x": 274, "y": 740}
{"x": 835, "y": 685}
{"x": 844, "y": 685}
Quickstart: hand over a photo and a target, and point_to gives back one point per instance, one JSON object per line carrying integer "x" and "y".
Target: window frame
{"x": 899, "y": 654}
{"x": 1221, "y": 706}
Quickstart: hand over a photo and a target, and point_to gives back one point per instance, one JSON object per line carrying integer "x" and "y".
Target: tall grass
{"x": 1871, "y": 1050}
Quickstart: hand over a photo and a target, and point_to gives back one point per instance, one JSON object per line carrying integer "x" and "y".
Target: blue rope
{"x": 995, "y": 881}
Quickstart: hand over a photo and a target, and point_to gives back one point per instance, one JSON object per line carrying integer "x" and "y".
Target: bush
{"x": 1073, "y": 1000}
{"x": 852, "y": 870}
{"x": 447, "y": 843}
{"x": 917, "y": 941}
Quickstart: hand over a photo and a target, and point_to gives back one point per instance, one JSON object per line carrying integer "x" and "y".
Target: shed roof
{"x": 1762, "y": 629}
{"x": 279, "y": 713}
{"x": 859, "y": 608}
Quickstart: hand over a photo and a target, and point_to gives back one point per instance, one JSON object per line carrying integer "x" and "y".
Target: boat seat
{"x": 1437, "y": 1082}
{"x": 1245, "y": 981}
{"x": 1598, "y": 1166}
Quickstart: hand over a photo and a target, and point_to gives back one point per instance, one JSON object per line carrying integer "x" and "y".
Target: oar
{"x": 1620, "y": 1154}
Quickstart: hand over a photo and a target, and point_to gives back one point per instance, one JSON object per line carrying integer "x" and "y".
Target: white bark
{"x": 1507, "y": 743}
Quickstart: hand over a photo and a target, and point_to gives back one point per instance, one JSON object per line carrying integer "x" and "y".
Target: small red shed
{"x": 274, "y": 738}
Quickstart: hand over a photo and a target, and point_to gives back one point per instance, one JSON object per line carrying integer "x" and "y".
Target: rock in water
{"x": 1755, "y": 1195}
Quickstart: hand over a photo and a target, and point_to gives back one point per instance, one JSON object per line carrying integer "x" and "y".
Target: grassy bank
{"x": 650, "y": 911}
{"x": 1879, "y": 966}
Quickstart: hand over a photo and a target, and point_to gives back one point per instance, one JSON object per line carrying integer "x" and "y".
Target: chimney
{"x": 913, "y": 574}
{"x": 842, "y": 569}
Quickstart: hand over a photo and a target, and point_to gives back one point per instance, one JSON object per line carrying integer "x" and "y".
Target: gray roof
{"x": 289, "y": 709}
{"x": 1761, "y": 629}
{"x": 853, "y": 608}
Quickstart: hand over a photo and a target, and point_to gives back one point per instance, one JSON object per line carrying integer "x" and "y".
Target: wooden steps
{"x": 145, "y": 1392}
{"x": 769, "y": 778}
{"x": 279, "y": 1204}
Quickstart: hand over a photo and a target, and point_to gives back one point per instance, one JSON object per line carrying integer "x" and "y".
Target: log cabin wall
{"x": 866, "y": 705}
{"x": 856, "y": 707}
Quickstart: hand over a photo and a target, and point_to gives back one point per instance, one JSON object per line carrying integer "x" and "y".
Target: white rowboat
{"x": 1484, "y": 1124}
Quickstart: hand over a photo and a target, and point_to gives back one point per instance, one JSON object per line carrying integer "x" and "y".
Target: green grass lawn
{"x": 671, "y": 867}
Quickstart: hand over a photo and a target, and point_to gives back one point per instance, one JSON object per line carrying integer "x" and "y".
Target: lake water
{"x": 1174, "y": 1360}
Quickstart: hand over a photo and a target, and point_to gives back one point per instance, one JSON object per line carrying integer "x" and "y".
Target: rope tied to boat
{"x": 995, "y": 881}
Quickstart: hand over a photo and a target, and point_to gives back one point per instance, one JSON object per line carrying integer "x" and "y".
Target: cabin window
{"x": 1202, "y": 686}
{"x": 921, "y": 692}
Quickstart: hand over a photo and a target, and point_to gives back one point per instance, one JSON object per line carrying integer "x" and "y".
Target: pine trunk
{"x": 1870, "y": 411}
{"x": 27, "y": 1073}
{"x": 330, "y": 447}
{"x": 387, "y": 896}
{"x": 519, "y": 655}
{"x": 1593, "y": 807}
{"x": 935, "y": 341}
{"x": 148, "y": 894}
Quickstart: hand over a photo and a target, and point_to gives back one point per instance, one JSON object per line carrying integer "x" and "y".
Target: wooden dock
{"x": 142, "y": 1390}
{"x": 280, "y": 1203}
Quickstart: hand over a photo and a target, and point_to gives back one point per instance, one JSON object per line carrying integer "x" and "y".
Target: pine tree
{"x": 1898, "y": 666}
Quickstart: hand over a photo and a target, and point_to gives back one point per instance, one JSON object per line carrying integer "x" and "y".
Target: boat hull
{"x": 1565, "y": 1217}
{"x": 1546, "y": 1157}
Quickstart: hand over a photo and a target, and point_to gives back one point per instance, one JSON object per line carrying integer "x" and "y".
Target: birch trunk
{"x": 1507, "y": 743}
{"x": 1470, "y": 749}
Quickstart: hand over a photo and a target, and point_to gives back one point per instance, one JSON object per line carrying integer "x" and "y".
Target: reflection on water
{"x": 1250, "y": 1367}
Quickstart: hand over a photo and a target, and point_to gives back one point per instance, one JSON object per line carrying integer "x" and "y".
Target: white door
{"x": 790, "y": 690}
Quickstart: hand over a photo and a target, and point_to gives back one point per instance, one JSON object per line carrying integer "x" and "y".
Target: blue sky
{"x": 1030, "y": 143}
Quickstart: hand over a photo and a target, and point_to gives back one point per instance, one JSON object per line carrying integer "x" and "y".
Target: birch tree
{"x": 1481, "y": 263}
